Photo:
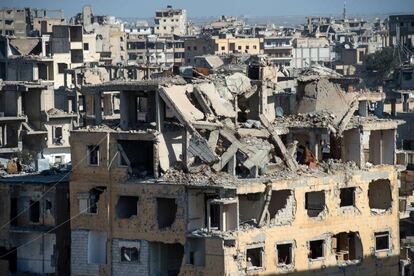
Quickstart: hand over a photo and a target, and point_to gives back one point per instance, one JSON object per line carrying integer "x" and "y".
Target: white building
{"x": 308, "y": 51}
{"x": 170, "y": 22}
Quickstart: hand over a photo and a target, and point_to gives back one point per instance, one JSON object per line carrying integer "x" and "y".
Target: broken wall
{"x": 336, "y": 220}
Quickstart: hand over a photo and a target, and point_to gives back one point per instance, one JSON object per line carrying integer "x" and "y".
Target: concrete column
{"x": 363, "y": 108}
{"x": 35, "y": 75}
{"x": 107, "y": 103}
{"x": 314, "y": 145}
{"x": 406, "y": 106}
{"x": 231, "y": 166}
{"x": 19, "y": 104}
{"x": 393, "y": 107}
{"x": 186, "y": 145}
{"x": 159, "y": 109}
{"x": 124, "y": 110}
{"x": 292, "y": 105}
{"x": 3, "y": 135}
{"x": 65, "y": 79}
{"x": 98, "y": 108}
{"x": 379, "y": 110}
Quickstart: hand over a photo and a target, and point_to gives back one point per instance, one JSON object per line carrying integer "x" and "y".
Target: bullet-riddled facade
{"x": 168, "y": 191}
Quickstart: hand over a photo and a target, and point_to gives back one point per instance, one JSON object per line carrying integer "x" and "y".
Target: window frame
{"x": 97, "y": 148}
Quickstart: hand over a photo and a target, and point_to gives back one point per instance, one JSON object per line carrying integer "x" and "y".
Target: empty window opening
{"x": 97, "y": 247}
{"x": 315, "y": 203}
{"x": 166, "y": 212}
{"x": 126, "y": 207}
{"x": 316, "y": 249}
{"x": 165, "y": 259}
{"x": 379, "y": 194}
{"x": 254, "y": 258}
{"x": 347, "y": 197}
{"x": 48, "y": 205}
{"x": 62, "y": 68}
{"x": 222, "y": 214}
{"x": 59, "y": 159}
{"x": 281, "y": 206}
{"x": 347, "y": 246}
{"x": 138, "y": 156}
{"x": 57, "y": 135}
{"x": 382, "y": 241}
{"x": 129, "y": 254}
{"x": 142, "y": 109}
{"x": 196, "y": 252}
{"x": 76, "y": 33}
{"x": 34, "y": 211}
{"x": 250, "y": 208}
{"x": 215, "y": 216}
{"x": 284, "y": 254}
{"x": 88, "y": 202}
{"x": 93, "y": 155}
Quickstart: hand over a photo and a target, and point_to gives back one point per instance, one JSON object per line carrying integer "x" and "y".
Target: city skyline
{"x": 130, "y": 8}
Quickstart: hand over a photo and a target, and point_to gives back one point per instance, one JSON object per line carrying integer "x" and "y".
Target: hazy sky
{"x": 201, "y": 8}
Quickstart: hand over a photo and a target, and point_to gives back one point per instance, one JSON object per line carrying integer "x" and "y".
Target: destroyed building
{"x": 30, "y": 123}
{"x": 34, "y": 230}
{"x": 207, "y": 176}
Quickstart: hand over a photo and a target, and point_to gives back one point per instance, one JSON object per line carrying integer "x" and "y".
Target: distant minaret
{"x": 344, "y": 11}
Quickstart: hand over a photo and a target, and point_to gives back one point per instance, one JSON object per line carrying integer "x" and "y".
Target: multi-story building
{"x": 401, "y": 30}
{"x": 308, "y": 51}
{"x": 169, "y": 22}
{"x": 151, "y": 50}
{"x": 279, "y": 49}
{"x": 195, "y": 47}
{"x": 166, "y": 192}
{"x": 234, "y": 45}
{"x": 35, "y": 228}
{"x": 15, "y": 22}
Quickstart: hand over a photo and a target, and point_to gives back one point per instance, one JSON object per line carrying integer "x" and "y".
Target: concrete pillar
{"x": 124, "y": 110}
{"x": 379, "y": 110}
{"x": 98, "y": 107}
{"x": 314, "y": 145}
{"x": 186, "y": 145}
{"x": 231, "y": 166}
{"x": 406, "y": 107}
{"x": 35, "y": 75}
{"x": 107, "y": 104}
{"x": 19, "y": 104}
{"x": 363, "y": 108}
{"x": 159, "y": 109}
{"x": 65, "y": 79}
{"x": 292, "y": 105}
{"x": 3, "y": 135}
{"x": 393, "y": 107}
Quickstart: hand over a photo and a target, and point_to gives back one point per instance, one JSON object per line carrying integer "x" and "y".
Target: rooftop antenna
{"x": 344, "y": 11}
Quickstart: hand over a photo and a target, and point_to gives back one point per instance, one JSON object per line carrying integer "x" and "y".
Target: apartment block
{"x": 170, "y": 21}
{"x": 182, "y": 184}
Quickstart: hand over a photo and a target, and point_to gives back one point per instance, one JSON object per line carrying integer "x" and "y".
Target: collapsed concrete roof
{"x": 25, "y": 46}
{"x": 321, "y": 95}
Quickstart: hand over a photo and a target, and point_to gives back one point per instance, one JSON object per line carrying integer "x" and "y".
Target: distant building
{"x": 15, "y": 22}
{"x": 308, "y": 51}
{"x": 401, "y": 30}
{"x": 198, "y": 47}
{"x": 251, "y": 46}
{"x": 279, "y": 49}
{"x": 170, "y": 22}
